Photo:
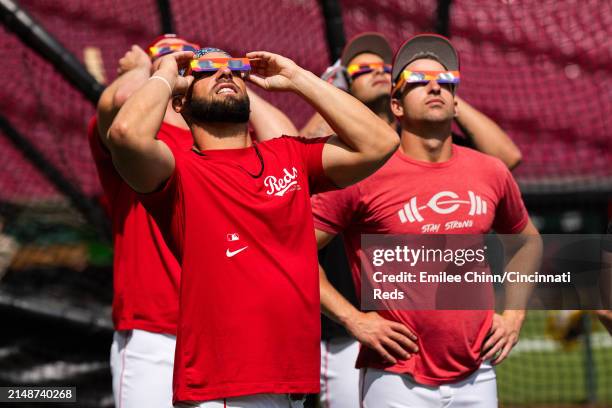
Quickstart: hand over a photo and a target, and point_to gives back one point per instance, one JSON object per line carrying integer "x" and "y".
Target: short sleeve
{"x": 335, "y": 211}
{"x": 312, "y": 156}
{"x": 511, "y": 216}
{"x": 108, "y": 176}
{"x": 166, "y": 207}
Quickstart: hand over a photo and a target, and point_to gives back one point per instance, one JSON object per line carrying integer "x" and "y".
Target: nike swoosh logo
{"x": 229, "y": 253}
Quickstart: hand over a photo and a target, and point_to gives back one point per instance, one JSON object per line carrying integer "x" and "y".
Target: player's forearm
{"x": 129, "y": 83}
{"x": 525, "y": 255}
{"x": 115, "y": 95}
{"x": 487, "y": 136}
{"x": 333, "y": 304}
{"x": 140, "y": 117}
{"x": 356, "y": 125}
{"x": 267, "y": 120}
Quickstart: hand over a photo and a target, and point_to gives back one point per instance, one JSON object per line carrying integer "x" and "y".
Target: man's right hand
{"x": 170, "y": 65}
{"x": 273, "y": 72}
{"x": 392, "y": 340}
{"x": 133, "y": 59}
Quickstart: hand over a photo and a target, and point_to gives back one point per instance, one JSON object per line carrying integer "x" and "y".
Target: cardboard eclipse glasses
{"x": 241, "y": 66}
{"x": 355, "y": 70}
{"x": 423, "y": 77}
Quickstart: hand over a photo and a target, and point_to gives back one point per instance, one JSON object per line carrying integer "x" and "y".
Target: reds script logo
{"x": 444, "y": 202}
{"x": 279, "y": 186}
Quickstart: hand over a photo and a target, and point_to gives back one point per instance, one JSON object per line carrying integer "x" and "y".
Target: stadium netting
{"x": 541, "y": 69}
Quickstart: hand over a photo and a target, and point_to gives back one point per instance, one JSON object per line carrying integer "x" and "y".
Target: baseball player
{"x": 426, "y": 358}
{"x": 364, "y": 70}
{"x": 146, "y": 275}
{"x": 237, "y": 216}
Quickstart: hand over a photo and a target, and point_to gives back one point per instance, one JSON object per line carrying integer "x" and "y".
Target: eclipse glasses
{"x": 423, "y": 77}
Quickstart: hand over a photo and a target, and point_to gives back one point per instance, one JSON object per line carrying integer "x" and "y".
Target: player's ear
{"x": 178, "y": 103}
{"x": 396, "y": 107}
{"x": 455, "y": 106}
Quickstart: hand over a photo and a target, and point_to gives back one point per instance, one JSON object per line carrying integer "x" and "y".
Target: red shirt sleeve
{"x": 166, "y": 207}
{"x": 511, "y": 215}
{"x": 335, "y": 211}
{"x": 312, "y": 156}
{"x": 108, "y": 176}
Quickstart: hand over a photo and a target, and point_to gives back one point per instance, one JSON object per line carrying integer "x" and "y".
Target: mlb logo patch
{"x": 232, "y": 237}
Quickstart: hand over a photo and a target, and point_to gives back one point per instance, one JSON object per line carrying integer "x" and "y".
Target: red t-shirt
{"x": 449, "y": 341}
{"x": 240, "y": 221}
{"x": 146, "y": 275}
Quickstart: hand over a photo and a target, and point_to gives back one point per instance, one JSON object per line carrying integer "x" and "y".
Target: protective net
{"x": 540, "y": 69}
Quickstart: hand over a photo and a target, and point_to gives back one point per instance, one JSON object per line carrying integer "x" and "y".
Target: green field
{"x": 540, "y": 372}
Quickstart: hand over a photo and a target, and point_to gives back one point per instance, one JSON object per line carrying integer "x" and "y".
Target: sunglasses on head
{"x": 162, "y": 49}
{"x": 355, "y": 70}
{"x": 239, "y": 66}
{"x": 423, "y": 77}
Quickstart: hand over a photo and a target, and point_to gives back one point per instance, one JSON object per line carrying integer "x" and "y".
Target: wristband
{"x": 164, "y": 80}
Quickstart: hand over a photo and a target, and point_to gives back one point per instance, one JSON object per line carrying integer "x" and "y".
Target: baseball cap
{"x": 420, "y": 46}
{"x": 372, "y": 42}
{"x": 161, "y": 45}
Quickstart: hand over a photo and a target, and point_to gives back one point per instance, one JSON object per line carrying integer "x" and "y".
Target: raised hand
{"x": 171, "y": 64}
{"x": 272, "y": 72}
{"x": 133, "y": 59}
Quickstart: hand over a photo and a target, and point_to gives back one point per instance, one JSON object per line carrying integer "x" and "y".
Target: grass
{"x": 540, "y": 371}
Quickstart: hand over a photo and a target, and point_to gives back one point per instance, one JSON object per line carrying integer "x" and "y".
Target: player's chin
{"x": 228, "y": 96}
{"x": 438, "y": 114}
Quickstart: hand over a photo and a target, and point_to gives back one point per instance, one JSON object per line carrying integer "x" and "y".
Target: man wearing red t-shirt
{"x": 364, "y": 70}
{"x": 426, "y": 358}
{"x": 237, "y": 216}
{"x": 146, "y": 275}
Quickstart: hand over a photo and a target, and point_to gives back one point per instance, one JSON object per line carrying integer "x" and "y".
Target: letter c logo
{"x": 433, "y": 203}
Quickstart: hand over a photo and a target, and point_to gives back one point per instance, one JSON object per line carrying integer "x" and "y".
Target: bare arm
{"x": 388, "y": 338}
{"x": 144, "y": 162}
{"x": 316, "y": 127}
{"x": 267, "y": 120}
{"x": 134, "y": 70}
{"x": 525, "y": 253}
{"x": 364, "y": 141}
{"x": 487, "y": 136}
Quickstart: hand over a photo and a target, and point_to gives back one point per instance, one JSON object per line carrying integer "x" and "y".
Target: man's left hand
{"x": 504, "y": 334}
{"x": 272, "y": 72}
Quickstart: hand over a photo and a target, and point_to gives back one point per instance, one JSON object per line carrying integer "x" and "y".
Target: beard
{"x": 225, "y": 110}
